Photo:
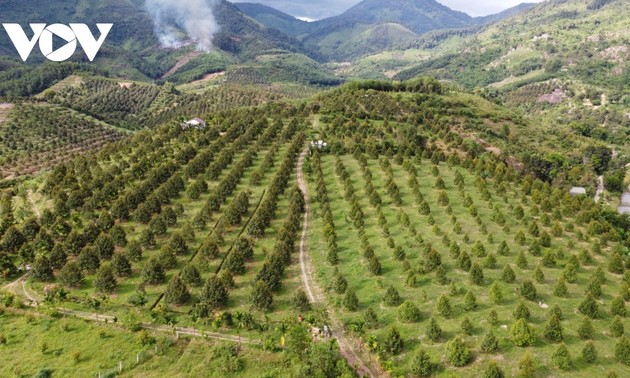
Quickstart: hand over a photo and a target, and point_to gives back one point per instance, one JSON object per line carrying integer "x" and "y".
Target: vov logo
{"x": 73, "y": 34}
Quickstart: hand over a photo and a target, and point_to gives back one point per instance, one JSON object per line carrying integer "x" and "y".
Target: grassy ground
{"x": 100, "y": 348}
{"x": 370, "y": 288}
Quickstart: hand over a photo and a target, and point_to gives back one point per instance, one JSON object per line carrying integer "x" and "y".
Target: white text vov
{"x": 72, "y": 34}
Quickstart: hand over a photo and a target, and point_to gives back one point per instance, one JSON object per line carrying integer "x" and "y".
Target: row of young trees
{"x": 229, "y": 183}
{"x": 77, "y": 173}
{"x": 321, "y": 197}
{"x": 34, "y": 137}
{"x": 105, "y": 99}
{"x": 216, "y": 291}
{"x": 261, "y": 220}
{"x": 269, "y": 278}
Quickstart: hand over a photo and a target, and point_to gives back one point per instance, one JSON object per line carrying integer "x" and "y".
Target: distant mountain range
{"x": 247, "y": 31}
{"x": 370, "y": 26}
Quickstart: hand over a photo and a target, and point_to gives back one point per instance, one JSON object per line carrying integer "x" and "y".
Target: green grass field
{"x": 37, "y": 344}
{"x": 424, "y": 294}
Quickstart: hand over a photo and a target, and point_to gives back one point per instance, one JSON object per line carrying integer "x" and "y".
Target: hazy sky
{"x": 316, "y": 9}
{"x": 483, "y": 7}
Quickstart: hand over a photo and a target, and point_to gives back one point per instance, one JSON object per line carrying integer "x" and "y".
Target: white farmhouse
{"x": 195, "y": 123}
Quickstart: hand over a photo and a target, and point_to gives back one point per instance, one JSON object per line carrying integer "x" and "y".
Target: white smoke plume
{"x": 195, "y": 17}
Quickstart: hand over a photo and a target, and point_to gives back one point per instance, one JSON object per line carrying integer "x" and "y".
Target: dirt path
{"x": 315, "y": 293}
{"x": 11, "y": 285}
{"x": 29, "y": 195}
{"x": 624, "y": 206}
{"x": 5, "y": 109}
{"x": 181, "y": 63}
{"x": 600, "y": 188}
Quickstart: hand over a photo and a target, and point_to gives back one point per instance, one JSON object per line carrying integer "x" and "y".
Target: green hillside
{"x": 257, "y": 211}
{"x": 273, "y": 18}
{"x": 412, "y": 217}
{"x": 563, "y": 68}
{"x": 132, "y": 49}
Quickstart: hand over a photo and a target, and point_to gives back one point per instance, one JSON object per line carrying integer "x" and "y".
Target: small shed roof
{"x": 578, "y": 190}
{"x": 196, "y": 121}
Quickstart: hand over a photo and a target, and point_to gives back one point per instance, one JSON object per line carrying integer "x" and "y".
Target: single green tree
{"x": 508, "y": 275}
{"x": 496, "y": 295}
{"x": 528, "y": 290}
{"x": 585, "y": 330}
{"x": 58, "y": 257}
{"x": 370, "y": 318}
{"x": 350, "y": 300}
{"x": 391, "y": 297}
{"x": 553, "y": 330}
{"x": 490, "y": 262}
{"x": 104, "y": 247}
{"x": 191, "y": 275}
{"x": 616, "y": 327}
{"x": 521, "y": 333}
{"x": 153, "y": 272}
{"x": 521, "y": 260}
{"x": 421, "y": 365}
{"x": 618, "y": 307}
{"x": 133, "y": 252}
{"x": 88, "y": 259}
{"x": 42, "y": 269}
{"x": 105, "y": 281}
{"x": 622, "y": 350}
{"x": 556, "y": 311}
{"x": 339, "y": 283}
{"x": 463, "y": 262}
{"x": 457, "y": 353}
{"x": 539, "y": 276}
{"x": 493, "y": 371}
{"x": 589, "y": 307}
{"x": 393, "y": 341}
{"x": 121, "y": 265}
{"x": 476, "y": 274}
{"x": 560, "y": 289}
{"x": 493, "y": 317}
{"x": 589, "y": 352}
{"x": 521, "y": 311}
{"x": 490, "y": 343}
{"x": 167, "y": 258}
{"x": 443, "y": 306}
{"x": 527, "y": 366}
{"x": 300, "y": 301}
{"x": 467, "y": 327}
{"x": 71, "y": 275}
{"x": 409, "y": 312}
{"x": 561, "y": 357}
{"x": 434, "y": 332}
{"x": 176, "y": 291}
{"x": 470, "y": 301}
{"x": 374, "y": 266}
{"x": 213, "y": 293}
{"x": 615, "y": 264}
{"x": 261, "y": 297}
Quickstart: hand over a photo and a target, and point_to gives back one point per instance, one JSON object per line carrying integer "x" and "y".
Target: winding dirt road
{"x": 600, "y": 188}
{"x": 315, "y": 293}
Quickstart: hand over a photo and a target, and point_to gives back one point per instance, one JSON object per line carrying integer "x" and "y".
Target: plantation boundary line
{"x": 207, "y": 235}
{"x": 345, "y": 341}
{"x": 159, "y": 299}
{"x": 242, "y": 231}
